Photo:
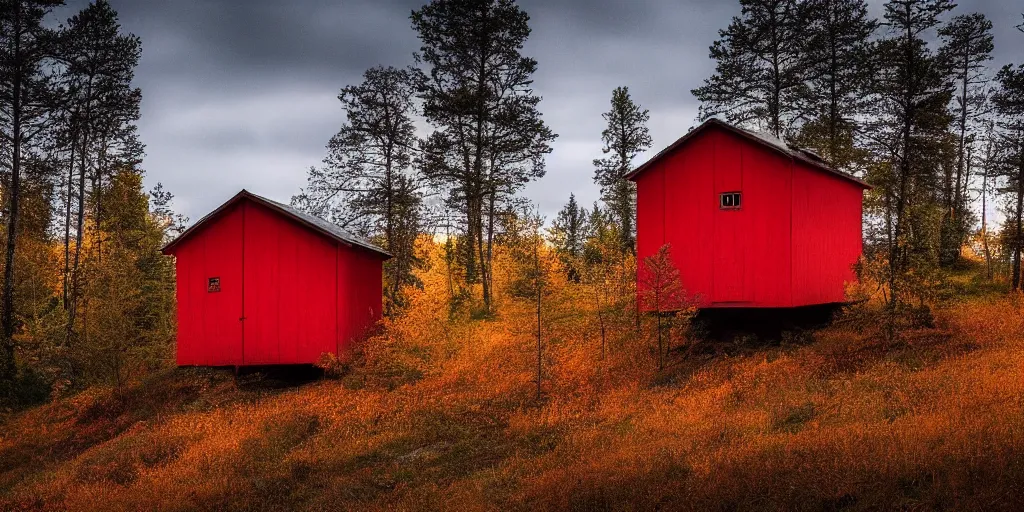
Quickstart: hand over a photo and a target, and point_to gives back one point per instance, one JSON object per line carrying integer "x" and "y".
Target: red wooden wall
{"x": 826, "y": 235}
{"x": 209, "y": 329}
{"x": 288, "y": 294}
{"x": 360, "y": 295}
{"x": 778, "y": 250}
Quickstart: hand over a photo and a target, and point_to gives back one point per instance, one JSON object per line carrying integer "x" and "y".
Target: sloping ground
{"x": 447, "y": 421}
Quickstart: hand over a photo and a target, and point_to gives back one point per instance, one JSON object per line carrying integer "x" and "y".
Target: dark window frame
{"x": 732, "y": 200}
{"x": 212, "y": 285}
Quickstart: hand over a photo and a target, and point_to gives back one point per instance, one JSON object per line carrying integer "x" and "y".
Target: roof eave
{"x": 376, "y": 250}
{"x": 632, "y": 176}
{"x": 167, "y": 248}
{"x": 245, "y": 194}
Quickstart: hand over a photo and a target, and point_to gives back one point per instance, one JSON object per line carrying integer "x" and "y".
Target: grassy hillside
{"x": 437, "y": 413}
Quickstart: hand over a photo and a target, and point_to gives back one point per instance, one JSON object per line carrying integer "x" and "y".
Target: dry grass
{"x": 439, "y": 415}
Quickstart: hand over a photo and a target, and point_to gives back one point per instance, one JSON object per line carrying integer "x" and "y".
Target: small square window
{"x": 213, "y": 285}
{"x": 729, "y": 200}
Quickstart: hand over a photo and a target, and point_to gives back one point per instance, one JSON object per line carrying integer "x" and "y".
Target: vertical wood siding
{"x": 690, "y": 220}
{"x": 209, "y": 329}
{"x": 791, "y": 243}
{"x": 826, "y": 236}
{"x": 300, "y": 293}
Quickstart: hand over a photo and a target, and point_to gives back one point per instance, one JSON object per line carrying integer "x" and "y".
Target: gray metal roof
{"x": 331, "y": 228}
{"x": 313, "y": 222}
{"x": 806, "y": 156}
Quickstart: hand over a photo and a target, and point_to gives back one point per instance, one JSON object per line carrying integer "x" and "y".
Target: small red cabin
{"x": 751, "y": 221}
{"x": 260, "y": 283}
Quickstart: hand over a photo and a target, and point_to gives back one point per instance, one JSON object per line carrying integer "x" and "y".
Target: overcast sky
{"x": 243, "y": 94}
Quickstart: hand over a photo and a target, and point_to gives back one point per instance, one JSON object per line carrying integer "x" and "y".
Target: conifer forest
{"x": 707, "y": 321}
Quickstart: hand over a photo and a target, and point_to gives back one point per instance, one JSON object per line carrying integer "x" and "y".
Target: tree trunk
{"x": 955, "y": 191}
{"x": 775, "y": 100}
{"x": 67, "y": 225}
{"x": 448, "y": 264}
{"x": 539, "y": 286}
{"x": 98, "y": 193}
{"x": 79, "y": 233}
{"x": 895, "y": 251}
{"x": 600, "y": 315}
{"x": 487, "y": 274}
{"x": 389, "y": 233}
{"x": 984, "y": 210}
{"x": 833, "y": 116}
{"x": 984, "y": 224}
{"x": 7, "y": 365}
{"x": 468, "y": 247}
{"x": 481, "y": 122}
{"x": 661, "y": 364}
{"x": 1017, "y": 242}
{"x": 481, "y": 265}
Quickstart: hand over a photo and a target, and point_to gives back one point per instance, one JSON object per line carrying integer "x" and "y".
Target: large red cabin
{"x": 261, "y": 283}
{"x": 751, "y": 221}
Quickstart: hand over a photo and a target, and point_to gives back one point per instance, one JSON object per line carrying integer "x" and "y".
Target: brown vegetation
{"x": 440, "y": 410}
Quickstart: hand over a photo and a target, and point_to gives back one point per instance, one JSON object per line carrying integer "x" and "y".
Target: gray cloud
{"x": 243, "y": 94}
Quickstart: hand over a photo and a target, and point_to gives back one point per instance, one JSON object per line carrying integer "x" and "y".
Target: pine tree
{"x": 966, "y": 51}
{"x": 761, "y": 69}
{"x": 367, "y": 183}
{"x": 568, "y": 235}
{"x": 66, "y": 98}
{"x": 98, "y": 62}
{"x": 625, "y": 136}
{"x": 489, "y": 139}
{"x": 908, "y": 132}
{"x": 170, "y": 222}
{"x": 25, "y": 102}
{"x": 839, "y": 73}
{"x": 1009, "y": 103}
